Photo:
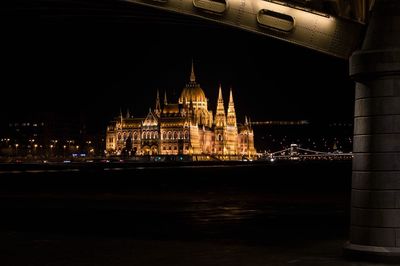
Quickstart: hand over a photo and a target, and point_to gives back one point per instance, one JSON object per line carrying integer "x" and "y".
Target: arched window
{"x": 219, "y": 137}
{"x": 169, "y": 135}
{"x": 164, "y": 135}
{"x": 147, "y": 135}
{"x": 175, "y": 135}
{"x": 186, "y": 135}
{"x": 143, "y": 135}
{"x": 119, "y": 136}
{"x": 156, "y": 135}
{"x": 135, "y": 135}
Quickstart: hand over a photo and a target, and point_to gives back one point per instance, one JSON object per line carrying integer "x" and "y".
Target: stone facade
{"x": 187, "y": 127}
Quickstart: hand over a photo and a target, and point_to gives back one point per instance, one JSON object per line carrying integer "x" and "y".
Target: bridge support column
{"x": 375, "y": 199}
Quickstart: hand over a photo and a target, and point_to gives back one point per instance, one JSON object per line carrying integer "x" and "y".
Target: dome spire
{"x": 192, "y": 76}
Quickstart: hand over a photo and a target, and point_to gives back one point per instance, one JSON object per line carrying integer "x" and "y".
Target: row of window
{"x": 153, "y": 135}
{"x": 175, "y": 135}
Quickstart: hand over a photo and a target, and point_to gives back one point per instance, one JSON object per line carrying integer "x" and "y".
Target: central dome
{"x": 192, "y": 93}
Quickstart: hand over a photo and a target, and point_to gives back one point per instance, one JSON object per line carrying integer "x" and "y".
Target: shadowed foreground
{"x": 282, "y": 214}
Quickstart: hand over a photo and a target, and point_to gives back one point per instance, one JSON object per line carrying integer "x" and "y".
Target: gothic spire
{"x": 158, "y": 106}
{"x": 231, "y": 98}
{"x": 165, "y": 98}
{"x": 220, "y": 119}
{"x": 220, "y": 103}
{"x": 231, "y": 111}
{"x": 192, "y": 76}
{"x": 128, "y": 114}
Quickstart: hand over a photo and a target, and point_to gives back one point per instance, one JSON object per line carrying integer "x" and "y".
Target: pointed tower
{"x": 157, "y": 109}
{"x": 220, "y": 126}
{"x": 220, "y": 119}
{"x": 128, "y": 114}
{"x": 231, "y": 120}
{"x": 231, "y": 129}
{"x": 165, "y": 98}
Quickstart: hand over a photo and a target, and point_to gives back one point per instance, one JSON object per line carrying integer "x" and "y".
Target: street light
{"x": 51, "y": 150}
{"x": 35, "y": 150}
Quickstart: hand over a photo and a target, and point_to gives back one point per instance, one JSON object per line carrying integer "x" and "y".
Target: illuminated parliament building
{"x": 186, "y": 127}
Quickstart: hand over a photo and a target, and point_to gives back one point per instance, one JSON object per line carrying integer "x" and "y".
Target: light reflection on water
{"x": 39, "y": 171}
{"x": 211, "y": 213}
{"x": 207, "y": 199}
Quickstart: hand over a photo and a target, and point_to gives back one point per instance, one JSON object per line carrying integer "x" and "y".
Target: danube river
{"x": 181, "y": 214}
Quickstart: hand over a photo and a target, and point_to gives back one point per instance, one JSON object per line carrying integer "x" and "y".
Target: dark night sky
{"x": 90, "y": 66}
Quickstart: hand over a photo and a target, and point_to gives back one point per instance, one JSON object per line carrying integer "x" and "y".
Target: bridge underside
{"x": 298, "y": 22}
{"x": 334, "y": 27}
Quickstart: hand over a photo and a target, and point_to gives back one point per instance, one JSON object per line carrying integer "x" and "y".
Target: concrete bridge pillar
{"x": 375, "y": 199}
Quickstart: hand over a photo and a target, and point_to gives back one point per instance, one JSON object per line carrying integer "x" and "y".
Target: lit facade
{"x": 187, "y": 127}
